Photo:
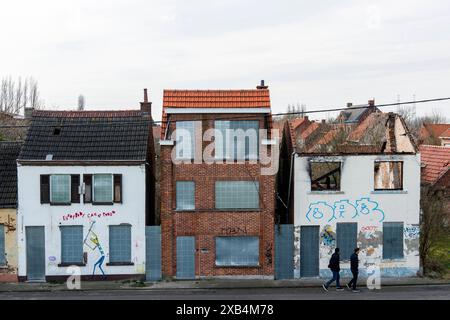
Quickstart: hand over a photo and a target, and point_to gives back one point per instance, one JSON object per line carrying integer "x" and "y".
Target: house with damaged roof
{"x": 348, "y": 185}
{"x": 85, "y": 190}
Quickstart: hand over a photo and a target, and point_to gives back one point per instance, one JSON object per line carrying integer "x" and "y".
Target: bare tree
{"x": 15, "y": 96}
{"x": 81, "y": 102}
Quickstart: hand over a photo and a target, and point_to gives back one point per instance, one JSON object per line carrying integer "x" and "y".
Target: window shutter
{"x": 75, "y": 194}
{"x": 45, "y": 188}
{"x": 87, "y": 179}
{"x": 117, "y": 188}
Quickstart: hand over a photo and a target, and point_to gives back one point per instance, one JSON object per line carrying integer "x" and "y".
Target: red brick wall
{"x": 205, "y": 223}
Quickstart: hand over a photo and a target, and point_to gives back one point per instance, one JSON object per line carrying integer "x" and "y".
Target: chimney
{"x": 371, "y": 103}
{"x": 306, "y": 118}
{"x": 28, "y": 112}
{"x": 146, "y": 106}
{"x": 349, "y": 104}
{"x": 262, "y": 86}
{"x": 324, "y": 121}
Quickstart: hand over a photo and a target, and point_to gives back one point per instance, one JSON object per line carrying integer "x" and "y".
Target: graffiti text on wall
{"x": 411, "y": 232}
{"x": 344, "y": 209}
{"x": 82, "y": 215}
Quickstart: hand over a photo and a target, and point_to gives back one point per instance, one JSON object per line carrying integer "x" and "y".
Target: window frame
{"x": 94, "y": 202}
{"x": 234, "y": 155}
{"x": 237, "y": 265}
{"x": 227, "y": 208}
{"x": 401, "y": 173}
{"x": 52, "y": 202}
{"x": 339, "y": 183}
{"x": 177, "y": 208}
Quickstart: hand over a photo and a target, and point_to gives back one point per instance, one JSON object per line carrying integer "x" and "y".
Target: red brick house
{"x": 217, "y": 218}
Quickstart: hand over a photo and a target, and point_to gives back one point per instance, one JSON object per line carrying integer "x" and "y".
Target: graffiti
{"x": 90, "y": 216}
{"x": 369, "y": 232}
{"x": 234, "y": 230}
{"x": 411, "y": 232}
{"x": 92, "y": 242}
{"x": 52, "y": 258}
{"x": 328, "y": 236}
{"x": 344, "y": 209}
{"x": 268, "y": 253}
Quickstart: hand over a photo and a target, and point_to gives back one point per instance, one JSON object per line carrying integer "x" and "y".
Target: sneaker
{"x": 348, "y": 287}
{"x": 356, "y": 290}
{"x": 339, "y": 289}
{"x": 324, "y": 288}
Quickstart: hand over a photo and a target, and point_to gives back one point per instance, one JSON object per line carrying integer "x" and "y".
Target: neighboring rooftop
{"x": 13, "y": 127}
{"x": 87, "y": 135}
{"x": 9, "y": 151}
{"x": 356, "y": 114}
{"x": 435, "y": 161}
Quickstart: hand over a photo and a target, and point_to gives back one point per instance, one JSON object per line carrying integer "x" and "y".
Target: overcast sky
{"x": 319, "y": 53}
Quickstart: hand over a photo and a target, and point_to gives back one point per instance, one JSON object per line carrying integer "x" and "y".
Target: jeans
{"x": 354, "y": 280}
{"x": 336, "y": 278}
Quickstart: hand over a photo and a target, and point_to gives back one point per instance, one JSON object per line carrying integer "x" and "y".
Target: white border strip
{"x": 216, "y": 110}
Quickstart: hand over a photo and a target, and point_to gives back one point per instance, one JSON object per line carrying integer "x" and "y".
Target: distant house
{"x": 436, "y": 170}
{"x": 14, "y": 127}
{"x": 435, "y": 134}
{"x": 9, "y": 152}
{"x": 357, "y": 114}
{"x": 86, "y": 193}
{"x": 349, "y": 186}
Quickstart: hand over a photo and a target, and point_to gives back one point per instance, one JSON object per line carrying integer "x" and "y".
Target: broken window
{"x": 388, "y": 175}
{"x": 325, "y": 176}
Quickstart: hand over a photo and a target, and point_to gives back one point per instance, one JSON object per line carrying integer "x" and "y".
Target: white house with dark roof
{"x": 85, "y": 190}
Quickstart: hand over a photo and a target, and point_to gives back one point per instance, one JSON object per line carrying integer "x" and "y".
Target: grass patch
{"x": 440, "y": 257}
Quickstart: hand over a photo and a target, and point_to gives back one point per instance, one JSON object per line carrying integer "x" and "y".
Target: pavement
{"x": 411, "y": 292}
{"x": 207, "y": 284}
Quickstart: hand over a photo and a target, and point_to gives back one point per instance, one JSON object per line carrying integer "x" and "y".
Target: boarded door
{"x": 35, "y": 244}
{"x": 284, "y": 251}
{"x": 153, "y": 253}
{"x": 309, "y": 251}
{"x": 185, "y": 257}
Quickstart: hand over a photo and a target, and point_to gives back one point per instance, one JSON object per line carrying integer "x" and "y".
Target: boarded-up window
{"x": 392, "y": 240}
{"x": 120, "y": 244}
{"x": 71, "y": 244}
{"x": 325, "y": 176}
{"x": 346, "y": 234}
{"x": 2, "y": 245}
{"x": 237, "y": 251}
{"x": 388, "y": 175}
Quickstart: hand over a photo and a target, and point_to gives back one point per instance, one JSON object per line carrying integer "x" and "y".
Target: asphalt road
{"x": 432, "y": 292}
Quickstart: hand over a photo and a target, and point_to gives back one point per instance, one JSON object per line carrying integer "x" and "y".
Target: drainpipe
{"x": 290, "y": 183}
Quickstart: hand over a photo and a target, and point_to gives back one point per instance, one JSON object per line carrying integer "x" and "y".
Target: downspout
{"x": 290, "y": 184}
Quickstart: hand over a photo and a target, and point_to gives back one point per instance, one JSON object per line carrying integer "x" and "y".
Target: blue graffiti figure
{"x": 365, "y": 206}
{"x": 319, "y": 210}
{"x": 100, "y": 261}
{"x": 344, "y": 209}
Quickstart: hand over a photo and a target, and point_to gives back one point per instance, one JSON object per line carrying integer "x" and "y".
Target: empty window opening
{"x": 388, "y": 175}
{"x": 325, "y": 176}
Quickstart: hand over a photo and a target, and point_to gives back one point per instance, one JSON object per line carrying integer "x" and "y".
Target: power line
{"x": 255, "y": 116}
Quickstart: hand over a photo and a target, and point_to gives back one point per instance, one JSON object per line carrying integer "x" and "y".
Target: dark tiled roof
{"x": 87, "y": 135}
{"x": 9, "y": 151}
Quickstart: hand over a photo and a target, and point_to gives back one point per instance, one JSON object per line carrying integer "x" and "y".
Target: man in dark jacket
{"x": 335, "y": 268}
{"x": 354, "y": 265}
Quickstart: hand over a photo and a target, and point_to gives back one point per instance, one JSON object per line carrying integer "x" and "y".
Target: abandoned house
{"x": 350, "y": 185}
{"x": 85, "y": 181}
{"x": 9, "y": 151}
{"x": 435, "y": 134}
{"x": 217, "y": 215}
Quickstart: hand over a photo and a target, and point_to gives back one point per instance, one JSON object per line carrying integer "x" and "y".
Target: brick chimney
{"x": 28, "y": 112}
{"x": 146, "y": 106}
{"x": 262, "y": 85}
{"x": 371, "y": 103}
{"x": 349, "y": 104}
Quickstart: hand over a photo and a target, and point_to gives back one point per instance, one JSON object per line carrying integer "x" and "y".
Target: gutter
{"x": 80, "y": 162}
{"x": 290, "y": 181}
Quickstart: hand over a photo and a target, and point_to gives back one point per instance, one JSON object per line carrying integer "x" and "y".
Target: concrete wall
{"x": 357, "y": 191}
{"x": 131, "y": 211}
{"x": 8, "y": 220}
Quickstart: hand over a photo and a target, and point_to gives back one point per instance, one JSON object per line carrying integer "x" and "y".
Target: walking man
{"x": 354, "y": 264}
{"x": 335, "y": 268}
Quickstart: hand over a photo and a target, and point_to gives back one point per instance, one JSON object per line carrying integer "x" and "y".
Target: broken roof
{"x": 377, "y": 133}
{"x": 87, "y": 135}
{"x": 9, "y": 151}
{"x": 436, "y": 161}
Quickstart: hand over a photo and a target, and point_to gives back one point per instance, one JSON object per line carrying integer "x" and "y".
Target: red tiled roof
{"x": 436, "y": 160}
{"x": 445, "y": 134}
{"x": 434, "y": 129}
{"x": 255, "y": 98}
{"x": 358, "y": 132}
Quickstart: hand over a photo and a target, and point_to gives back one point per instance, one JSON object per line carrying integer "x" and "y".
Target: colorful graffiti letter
{"x": 344, "y": 209}
{"x": 320, "y": 210}
{"x": 365, "y": 206}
